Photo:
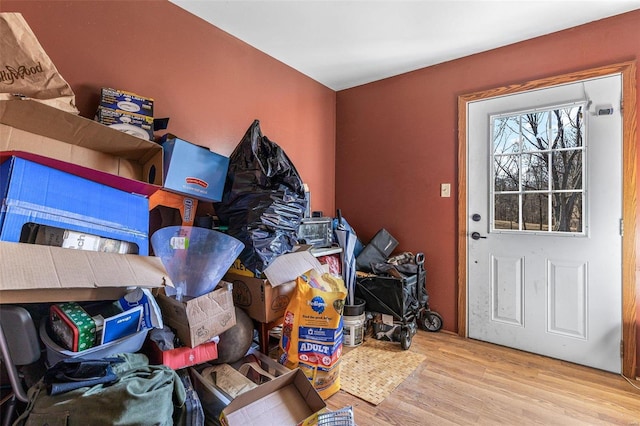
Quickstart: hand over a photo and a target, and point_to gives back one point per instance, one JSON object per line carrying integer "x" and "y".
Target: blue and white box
{"x": 121, "y": 325}
{"x": 32, "y": 193}
{"x": 193, "y": 170}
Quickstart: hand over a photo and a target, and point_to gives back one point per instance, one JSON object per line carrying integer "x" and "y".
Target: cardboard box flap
{"x": 290, "y": 266}
{"x": 35, "y": 267}
{"x": 285, "y": 400}
{"x": 44, "y": 120}
{"x": 34, "y": 143}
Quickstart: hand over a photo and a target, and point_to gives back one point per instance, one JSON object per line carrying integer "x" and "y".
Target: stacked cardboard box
{"x": 126, "y": 111}
{"x": 62, "y": 172}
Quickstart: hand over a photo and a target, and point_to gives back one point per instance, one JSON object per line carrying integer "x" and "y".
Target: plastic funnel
{"x": 195, "y": 258}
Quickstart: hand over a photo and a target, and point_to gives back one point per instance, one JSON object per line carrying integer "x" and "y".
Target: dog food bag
{"x": 312, "y": 330}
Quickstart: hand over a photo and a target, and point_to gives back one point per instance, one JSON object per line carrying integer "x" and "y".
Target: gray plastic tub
{"x": 56, "y": 353}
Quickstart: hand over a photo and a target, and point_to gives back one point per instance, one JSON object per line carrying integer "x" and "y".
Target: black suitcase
{"x": 377, "y": 251}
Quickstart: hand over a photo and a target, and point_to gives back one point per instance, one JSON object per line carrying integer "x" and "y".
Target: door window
{"x": 538, "y": 174}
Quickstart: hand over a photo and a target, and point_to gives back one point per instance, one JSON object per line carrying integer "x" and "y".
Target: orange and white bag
{"x": 312, "y": 330}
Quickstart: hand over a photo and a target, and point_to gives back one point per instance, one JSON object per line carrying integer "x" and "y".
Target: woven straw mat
{"x": 374, "y": 369}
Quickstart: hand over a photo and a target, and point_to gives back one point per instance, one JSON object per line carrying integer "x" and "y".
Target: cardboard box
{"x": 36, "y": 194}
{"x": 80, "y": 146}
{"x": 286, "y": 400}
{"x": 266, "y": 300}
{"x": 259, "y": 298}
{"x": 193, "y": 170}
{"x": 126, "y": 101}
{"x": 199, "y": 320}
{"x": 136, "y": 125}
{"x": 37, "y": 274}
{"x": 180, "y": 357}
{"x": 215, "y": 399}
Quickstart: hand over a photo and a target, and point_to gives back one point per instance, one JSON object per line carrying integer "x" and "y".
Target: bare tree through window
{"x": 538, "y": 161}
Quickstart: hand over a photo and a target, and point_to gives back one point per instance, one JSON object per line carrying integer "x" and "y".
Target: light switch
{"x": 445, "y": 190}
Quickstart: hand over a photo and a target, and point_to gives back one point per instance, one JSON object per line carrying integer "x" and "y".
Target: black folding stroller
{"x": 404, "y": 298}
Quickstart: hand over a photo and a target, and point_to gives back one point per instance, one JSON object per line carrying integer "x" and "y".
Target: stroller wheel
{"x": 405, "y": 339}
{"x": 431, "y": 321}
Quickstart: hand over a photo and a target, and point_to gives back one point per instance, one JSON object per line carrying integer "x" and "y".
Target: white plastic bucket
{"x": 353, "y": 324}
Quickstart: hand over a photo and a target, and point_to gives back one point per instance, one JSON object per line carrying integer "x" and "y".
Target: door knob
{"x": 476, "y": 235}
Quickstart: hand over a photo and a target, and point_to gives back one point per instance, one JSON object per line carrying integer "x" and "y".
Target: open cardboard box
{"x": 286, "y": 400}
{"x": 31, "y": 273}
{"x": 80, "y": 146}
{"x": 266, "y": 300}
{"x": 214, "y": 399}
{"x": 200, "y": 319}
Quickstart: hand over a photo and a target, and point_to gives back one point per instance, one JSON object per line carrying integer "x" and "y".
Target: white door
{"x": 544, "y": 197}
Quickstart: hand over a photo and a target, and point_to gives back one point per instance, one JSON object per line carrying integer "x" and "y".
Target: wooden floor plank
{"x": 464, "y": 381}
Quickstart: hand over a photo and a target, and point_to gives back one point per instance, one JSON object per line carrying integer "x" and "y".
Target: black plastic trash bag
{"x": 263, "y": 201}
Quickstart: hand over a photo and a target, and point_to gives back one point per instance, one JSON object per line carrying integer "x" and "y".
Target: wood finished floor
{"x": 464, "y": 381}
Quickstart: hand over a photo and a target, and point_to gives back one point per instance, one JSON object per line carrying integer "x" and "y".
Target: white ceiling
{"x": 346, "y": 43}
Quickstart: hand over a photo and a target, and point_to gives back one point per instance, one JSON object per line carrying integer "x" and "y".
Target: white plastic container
{"x": 353, "y": 320}
{"x": 56, "y": 353}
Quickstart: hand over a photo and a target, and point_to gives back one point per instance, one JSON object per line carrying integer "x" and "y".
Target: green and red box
{"x": 72, "y": 326}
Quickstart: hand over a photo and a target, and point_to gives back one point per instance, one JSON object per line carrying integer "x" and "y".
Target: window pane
{"x": 567, "y": 212}
{"x": 570, "y": 125}
{"x": 506, "y": 211}
{"x": 535, "y": 173}
{"x": 506, "y": 172}
{"x": 506, "y": 135}
{"x": 567, "y": 170}
{"x": 534, "y": 131}
{"x": 552, "y": 128}
{"x": 535, "y": 212}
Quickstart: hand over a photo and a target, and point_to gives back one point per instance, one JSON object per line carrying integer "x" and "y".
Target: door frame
{"x": 629, "y": 160}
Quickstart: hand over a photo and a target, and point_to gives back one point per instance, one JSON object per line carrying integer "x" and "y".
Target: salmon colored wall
{"x": 210, "y": 84}
{"x": 397, "y": 140}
